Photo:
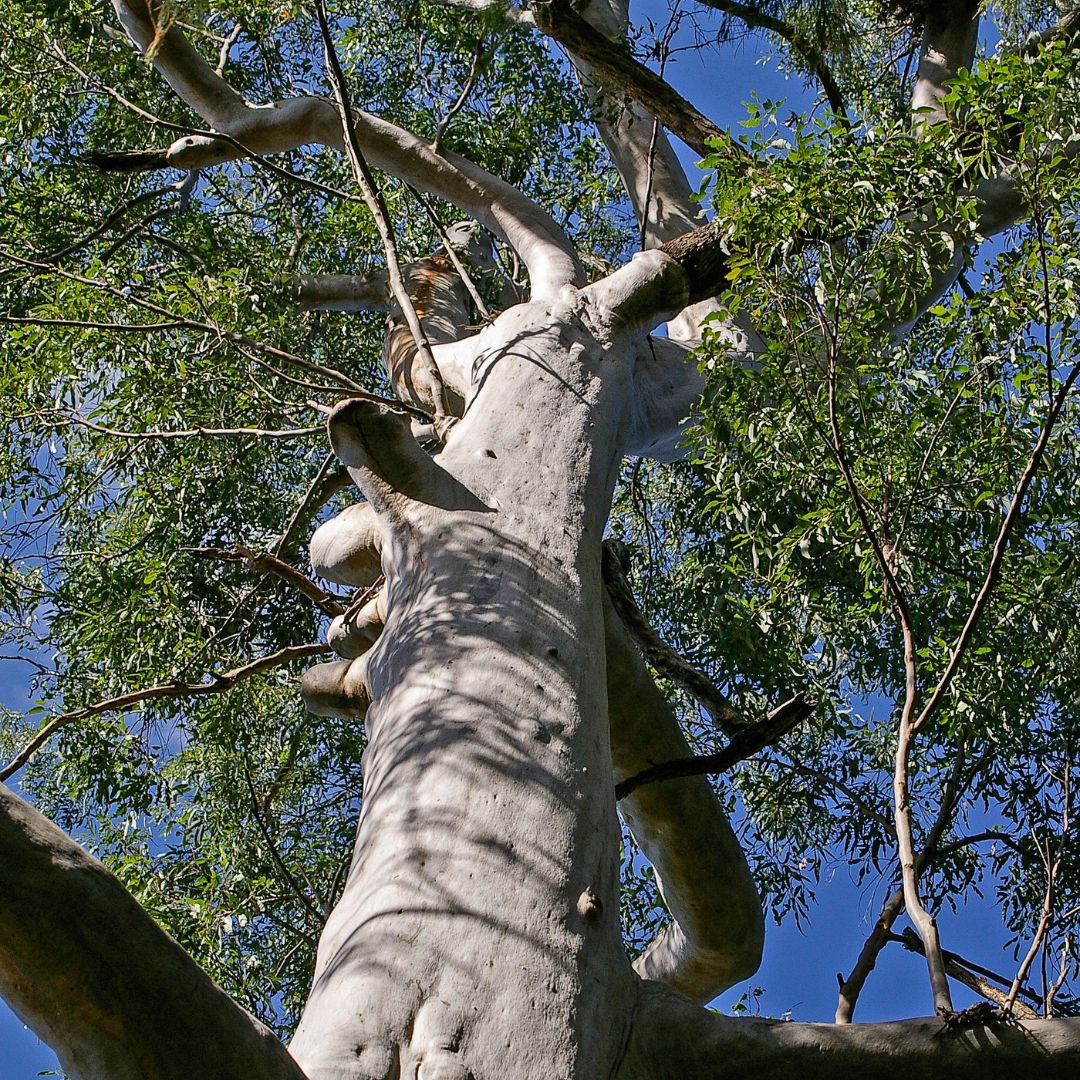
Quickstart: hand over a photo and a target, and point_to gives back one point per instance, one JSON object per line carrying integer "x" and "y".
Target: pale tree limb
{"x": 93, "y": 975}
{"x": 950, "y": 37}
{"x": 903, "y": 823}
{"x": 717, "y": 932}
{"x": 672, "y": 1037}
{"x": 1046, "y": 916}
{"x": 281, "y": 126}
{"x": 341, "y": 292}
{"x": 661, "y": 197}
{"x": 851, "y": 986}
{"x": 661, "y": 655}
{"x": 218, "y": 684}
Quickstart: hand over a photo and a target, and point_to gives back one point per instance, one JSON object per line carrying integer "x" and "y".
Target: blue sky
{"x": 799, "y": 971}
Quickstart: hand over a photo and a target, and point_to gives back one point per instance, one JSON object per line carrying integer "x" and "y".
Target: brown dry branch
{"x": 265, "y": 563}
{"x": 662, "y": 656}
{"x": 972, "y": 975}
{"x": 218, "y": 684}
{"x": 744, "y": 743}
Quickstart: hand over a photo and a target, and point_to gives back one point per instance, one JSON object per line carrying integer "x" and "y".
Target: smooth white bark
{"x": 284, "y": 125}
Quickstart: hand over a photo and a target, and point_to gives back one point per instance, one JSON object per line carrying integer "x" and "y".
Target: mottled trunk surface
{"x": 478, "y": 933}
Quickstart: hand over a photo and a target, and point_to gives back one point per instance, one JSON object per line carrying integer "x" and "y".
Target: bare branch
{"x": 112, "y": 218}
{"x": 971, "y": 975}
{"x": 993, "y": 570}
{"x": 265, "y": 563}
{"x": 743, "y": 744}
{"x": 218, "y": 684}
{"x": 426, "y": 376}
{"x": 559, "y": 20}
{"x": 199, "y": 432}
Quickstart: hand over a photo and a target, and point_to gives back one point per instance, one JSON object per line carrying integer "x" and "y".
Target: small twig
{"x": 231, "y": 336}
{"x": 259, "y": 433}
{"x": 218, "y": 684}
{"x": 326, "y": 483}
{"x": 810, "y": 53}
{"x": 111, "y": 219}
{"x": 426, "y": 376}
{"x": 227, "y": 42}
{"x": 475, "y": 69}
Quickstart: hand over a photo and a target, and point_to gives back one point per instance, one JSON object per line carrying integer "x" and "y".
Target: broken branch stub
{"x": 347, "y": 549}
{"x": 338, "y": 688}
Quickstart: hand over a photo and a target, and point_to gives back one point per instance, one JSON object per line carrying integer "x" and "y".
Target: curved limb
{"x": 672, "y": 1037}
{"x": 109, "y": 989}
{"x": 280, "y": 126}
{"x": 717, "y": 930}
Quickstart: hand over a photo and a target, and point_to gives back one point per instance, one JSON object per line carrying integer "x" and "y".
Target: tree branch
{"x": 86, "y": 968}
{"x": 743, "y": 744}
{"x": 717, "y": 929}
{"x": 281, "y": 126}
{"x": 970, "y": 975}
{"x": 661, "y": 655}
{"x": 810, "y": 53}
{"x": 218, "y": 685}
{"x": 265, "y": 563}
{"x": 426, "y": 376}
{"x": 559, "y": 20}
{"x": 672, "y": 1037}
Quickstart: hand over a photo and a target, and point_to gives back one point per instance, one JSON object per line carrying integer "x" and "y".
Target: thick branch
{"x": 717, "y": 932}
{"x": 949, "y": 39}
{"x": 341, "y": 292}
{"x": 659, "y": 653}
{"x": 86, "y": 968}
{"x": 613, "y": 62}
{"x": 281, "y": 126}
{"x": 674, "y": 1038}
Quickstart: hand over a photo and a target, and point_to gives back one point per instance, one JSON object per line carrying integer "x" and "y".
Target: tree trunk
{"x": 478, "y": 934}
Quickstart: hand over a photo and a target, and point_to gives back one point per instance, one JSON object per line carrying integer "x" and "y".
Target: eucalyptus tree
{"x": 851, "y": 476}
